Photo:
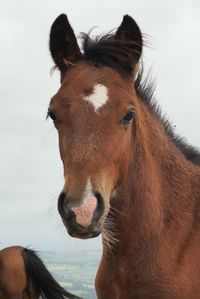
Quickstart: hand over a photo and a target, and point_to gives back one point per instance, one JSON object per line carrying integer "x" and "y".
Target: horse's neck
{"x": 156, "y": 197}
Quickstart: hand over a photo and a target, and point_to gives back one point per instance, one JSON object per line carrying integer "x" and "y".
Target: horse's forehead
{"x": 96, "y": 86}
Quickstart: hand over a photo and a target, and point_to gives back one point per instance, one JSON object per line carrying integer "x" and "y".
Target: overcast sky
{"x": 30, "y": 168}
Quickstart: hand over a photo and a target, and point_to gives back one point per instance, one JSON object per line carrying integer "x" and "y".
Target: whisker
{"x": 109, "y": 233}
{"x": 113, "y": 210}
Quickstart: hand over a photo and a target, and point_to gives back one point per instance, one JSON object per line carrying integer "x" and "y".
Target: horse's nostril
{"x": 81, "y": 221}
{"x": 61, "y": 200}
{"x": 100, "y": 206}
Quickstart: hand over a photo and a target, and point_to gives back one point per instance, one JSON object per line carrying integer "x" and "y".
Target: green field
{"x": 75, "y": 271}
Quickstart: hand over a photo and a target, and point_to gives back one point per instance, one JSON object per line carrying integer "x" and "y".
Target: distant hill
{"x": 75, "y": 271}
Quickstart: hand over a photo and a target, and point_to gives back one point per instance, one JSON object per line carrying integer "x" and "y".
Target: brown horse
{"x": 24, "y": 275}
{"x": 127, "y": 174}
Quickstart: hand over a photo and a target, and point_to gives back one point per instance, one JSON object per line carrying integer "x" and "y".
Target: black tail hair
{"x": 41, "y": 278}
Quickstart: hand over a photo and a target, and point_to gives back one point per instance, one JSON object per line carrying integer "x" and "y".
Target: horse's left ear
{"x": 63, "y": 43}
{"x": 129, "y": 30}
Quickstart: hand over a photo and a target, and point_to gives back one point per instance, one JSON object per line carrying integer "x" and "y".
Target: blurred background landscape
{"x": 75, "y": 271}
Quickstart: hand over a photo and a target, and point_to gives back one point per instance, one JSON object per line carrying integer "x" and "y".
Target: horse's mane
{"x": 145, "y": 89}
{"x": 108, "y": 50}
{"x": 117, "y": 54}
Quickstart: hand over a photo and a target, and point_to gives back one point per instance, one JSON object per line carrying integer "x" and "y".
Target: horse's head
{"x": 94, "y": 112}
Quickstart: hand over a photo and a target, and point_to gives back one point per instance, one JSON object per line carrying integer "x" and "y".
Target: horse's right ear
{"x": 129, "y": 30}
{"x": 63, "y": 43}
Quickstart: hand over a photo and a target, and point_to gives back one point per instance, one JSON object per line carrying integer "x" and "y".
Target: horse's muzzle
{"x": 81, "y": 220}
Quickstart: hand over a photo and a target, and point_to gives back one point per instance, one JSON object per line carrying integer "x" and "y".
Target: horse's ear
{"x": 129, "y": 30}
{"x": 63, "y": 43}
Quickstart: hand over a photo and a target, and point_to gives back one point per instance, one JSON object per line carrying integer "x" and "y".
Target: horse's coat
{"x": 145, "y": 178}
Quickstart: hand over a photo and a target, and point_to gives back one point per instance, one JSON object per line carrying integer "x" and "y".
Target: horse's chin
{"x": 84, "y": 235}
{"x": 82, "y": 232}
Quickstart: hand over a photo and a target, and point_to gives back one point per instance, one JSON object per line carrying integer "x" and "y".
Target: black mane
{"x": 41, "y": 279}
{"x": 110, "y": 51}
{"x": 145, "y": 90}
{"x": 117, "y": 54}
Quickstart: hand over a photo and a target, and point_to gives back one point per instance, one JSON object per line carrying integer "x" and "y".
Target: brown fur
{"x": 13, "y": 279}
{"x": 150, "y": 188}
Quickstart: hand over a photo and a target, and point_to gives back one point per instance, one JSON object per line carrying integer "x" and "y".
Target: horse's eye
{"x": 128, "y": 117}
